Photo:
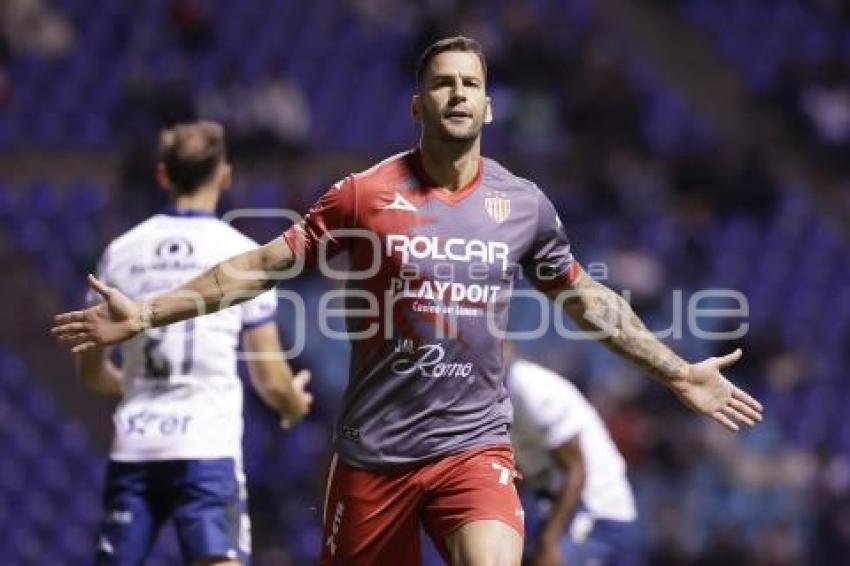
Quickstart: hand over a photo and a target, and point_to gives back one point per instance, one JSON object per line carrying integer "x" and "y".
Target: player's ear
{"x": 416, "y": 108}
{"x": 226, "y": 178}
{"x": 507, "y": 351}
{"x": 162, "y": 178}
{"x": 488, "y": 111}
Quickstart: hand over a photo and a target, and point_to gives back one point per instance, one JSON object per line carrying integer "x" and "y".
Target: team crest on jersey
{"x": 498, "y": 206}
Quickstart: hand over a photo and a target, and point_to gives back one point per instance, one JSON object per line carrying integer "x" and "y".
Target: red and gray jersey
{"x": 427, "y": 299}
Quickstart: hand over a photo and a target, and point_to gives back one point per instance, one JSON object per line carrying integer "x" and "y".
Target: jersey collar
{"x": 433, "y": 189}
{"x": 187, "y": 212}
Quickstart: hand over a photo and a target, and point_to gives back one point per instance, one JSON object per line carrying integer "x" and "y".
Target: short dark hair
{"x": 191, "y": 153}
{"x": 457, "y": 43}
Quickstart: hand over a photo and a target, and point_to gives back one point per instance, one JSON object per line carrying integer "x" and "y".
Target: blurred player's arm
{"x": 272, "y": 377}
{"x": 568, "y": 458}
{"x": 228, "y": 283}
{"x": 97, "y": 372}
{"x": 701, "y": 386}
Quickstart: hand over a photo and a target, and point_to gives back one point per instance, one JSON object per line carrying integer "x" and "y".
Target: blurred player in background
{"x": 442, "y": 233}
{"x": 569, "y": 461}
{"x": 177, "y": 450}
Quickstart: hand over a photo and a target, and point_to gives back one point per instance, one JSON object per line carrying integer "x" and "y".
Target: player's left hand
{"x": 299, "y": 402}
{"x": 706, "y": 391}
{"x": 114, "y": 320}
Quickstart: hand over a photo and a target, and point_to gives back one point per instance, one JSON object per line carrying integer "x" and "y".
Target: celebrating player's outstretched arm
{"x": 700, "y": 386}
{"x": 118, "y": 318}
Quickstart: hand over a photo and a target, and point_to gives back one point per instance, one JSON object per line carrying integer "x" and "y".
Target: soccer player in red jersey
{"x": 436, "y": 237}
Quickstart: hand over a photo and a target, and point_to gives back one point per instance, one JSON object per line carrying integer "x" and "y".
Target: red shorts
{"x": 373, "y": 517}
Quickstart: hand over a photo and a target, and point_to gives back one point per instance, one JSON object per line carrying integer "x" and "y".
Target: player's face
{"x": 452, "y": 102}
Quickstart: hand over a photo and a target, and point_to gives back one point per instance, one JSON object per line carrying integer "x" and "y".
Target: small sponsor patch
{"x": 351, "y": 433}
{"x": 399, "y": 203}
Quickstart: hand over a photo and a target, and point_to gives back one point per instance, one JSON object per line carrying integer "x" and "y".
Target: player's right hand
{"x": 299, "y": 402}
{"x": 114, "y": 320}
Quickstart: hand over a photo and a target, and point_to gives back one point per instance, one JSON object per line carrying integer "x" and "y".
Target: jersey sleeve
{"x": 559, "y": 422}
{"x": 260, "y": 310}
{"x": 553, "y": 408}
{"x": 334, "y": 211}
{"x": 549, "y": 262}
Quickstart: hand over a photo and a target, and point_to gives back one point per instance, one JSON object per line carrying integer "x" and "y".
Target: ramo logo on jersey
{"x": 427, "y": 361}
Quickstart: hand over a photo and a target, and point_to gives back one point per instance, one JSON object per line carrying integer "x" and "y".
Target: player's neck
{"x": 204, "y": 199}
{"x": 450, "y": 166}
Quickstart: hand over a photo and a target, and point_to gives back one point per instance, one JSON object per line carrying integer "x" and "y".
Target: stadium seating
{"x": 761, "y": 36}
{"x": 786, "y": 264}
{"x": 48, "y": 471}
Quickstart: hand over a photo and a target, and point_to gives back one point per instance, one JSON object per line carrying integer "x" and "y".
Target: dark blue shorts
{"x": 205, "y": 498}
{"x": 602, "y": 542}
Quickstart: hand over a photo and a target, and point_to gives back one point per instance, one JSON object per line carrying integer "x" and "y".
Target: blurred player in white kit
{"x": 177, "y": 448}
{"x": 570, "y": 462}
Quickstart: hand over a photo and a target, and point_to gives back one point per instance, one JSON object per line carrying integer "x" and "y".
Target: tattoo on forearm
{"x": 217, "y": 283}
{"x": 154, "y": 310}
{"x": 278, "y": 265}
{"x": 601, "y": 309}
{"x": 283, "y": 263}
